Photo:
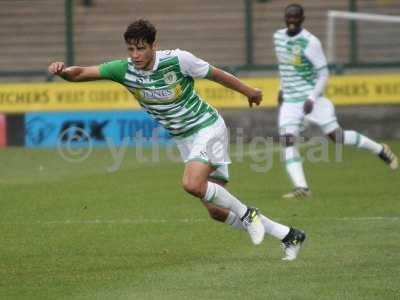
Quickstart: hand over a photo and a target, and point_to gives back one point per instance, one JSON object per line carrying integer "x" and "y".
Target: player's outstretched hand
{"x": 308, "y": 106}
{"x": 56, "y": 68}
{"x": 255, "y": 97}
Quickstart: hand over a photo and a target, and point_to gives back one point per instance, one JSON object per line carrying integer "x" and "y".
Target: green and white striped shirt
{"x": 167, "y": 91}
{"x": 300, "y": 58}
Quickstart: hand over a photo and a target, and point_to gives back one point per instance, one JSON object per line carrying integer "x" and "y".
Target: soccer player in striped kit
{"x": 304, "y": 73}
{"x": 163, "y": 84}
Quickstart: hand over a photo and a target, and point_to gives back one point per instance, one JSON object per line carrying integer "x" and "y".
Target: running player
{"x": 163, "y": 84}
{"x": 304, "y": 73}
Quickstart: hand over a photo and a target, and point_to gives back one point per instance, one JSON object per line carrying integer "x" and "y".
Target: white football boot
{"x": 252, "y": 222}
{"x": 292, "y": 243}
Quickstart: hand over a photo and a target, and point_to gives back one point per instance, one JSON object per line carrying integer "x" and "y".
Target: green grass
{"x": 78, "y": 231}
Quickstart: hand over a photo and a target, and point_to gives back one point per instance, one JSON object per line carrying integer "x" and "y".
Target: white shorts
{"x": 209, "y": 145}
{"x": 292, "y": 119}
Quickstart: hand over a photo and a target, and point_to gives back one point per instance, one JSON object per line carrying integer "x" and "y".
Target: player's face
{"x": 293, "y": 19}
{"x": 142, "y": 54}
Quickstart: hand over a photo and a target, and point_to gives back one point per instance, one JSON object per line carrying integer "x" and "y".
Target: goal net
{"x": 372, "y": 39}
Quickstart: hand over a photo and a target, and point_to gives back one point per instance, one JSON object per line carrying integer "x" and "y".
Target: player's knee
{"x": 193, "y": 187}
{"x": 221, "y": 182}
{"x": 287, "y": 140}
{"x": 332, "y": 137}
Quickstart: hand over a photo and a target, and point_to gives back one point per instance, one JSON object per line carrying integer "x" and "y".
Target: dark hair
{"x": 140, "y": 30}
{"x": 295, "y": 6}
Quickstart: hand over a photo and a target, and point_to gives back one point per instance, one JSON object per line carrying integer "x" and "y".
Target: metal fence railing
{"x": 237, "y": 36}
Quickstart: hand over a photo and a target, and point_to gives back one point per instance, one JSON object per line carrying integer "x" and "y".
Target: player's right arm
{"x": 280, "y": 97}
{"x": 198, "y": 68}
{"x": 316, "y": 56}
{"x": 75, "y": 73}
{"x": 276, "y": 47}
{"x": 280, "y": 94}
{"x": 254, "y": 95}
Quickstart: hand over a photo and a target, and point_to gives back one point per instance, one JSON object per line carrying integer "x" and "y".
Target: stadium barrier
{"x": 81, "y": 129}
{"x": 12, "y": 130}
{"x": 42, "y": 115}
{"x": 3, "y": 135}
{"x": 97, "y": 129}
{"x": 342, "y": 90}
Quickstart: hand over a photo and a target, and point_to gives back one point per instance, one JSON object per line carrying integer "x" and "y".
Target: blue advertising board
{"x": 133, "y": 128}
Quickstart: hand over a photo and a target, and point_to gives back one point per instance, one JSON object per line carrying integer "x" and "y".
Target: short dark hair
{"x": 140, "y": 30}
{"x": 295, "y": 6}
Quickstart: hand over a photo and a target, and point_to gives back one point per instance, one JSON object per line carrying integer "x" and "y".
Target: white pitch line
{"x": 161, "y": 221}
{"x": 365, "y": 219}
{"x": 98, "y": 221}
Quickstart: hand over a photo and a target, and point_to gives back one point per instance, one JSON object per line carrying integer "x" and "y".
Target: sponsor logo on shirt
{"x": 158, "y": 94}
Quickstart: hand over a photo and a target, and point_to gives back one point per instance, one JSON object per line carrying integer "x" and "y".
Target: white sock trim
{"x": 352, "y": 137}
{"x": 221, "y": 197}
{"x": 274, "y": 229}
{"x": 294, "y": 167}
{"x": 210, "y": 193}
{"x": 231, "y": 218}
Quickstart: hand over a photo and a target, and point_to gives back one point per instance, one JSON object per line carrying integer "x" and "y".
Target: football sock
{"x": 352, "y": 137}
{"x": 272, "y": 228}
{"x": 234, "y": 221}
{"x": 221, "y": 197}
{"x": 294, "y": 166}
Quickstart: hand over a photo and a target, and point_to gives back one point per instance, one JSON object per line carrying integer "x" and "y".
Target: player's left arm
{"x": 315, "y": 55}
{"x": 254, "y": 95}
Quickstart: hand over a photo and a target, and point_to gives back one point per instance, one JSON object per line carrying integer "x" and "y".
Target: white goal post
{"x": 332, "y": 15}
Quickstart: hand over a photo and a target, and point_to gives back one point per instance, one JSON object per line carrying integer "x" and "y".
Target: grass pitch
{"x": 79, "y": 231}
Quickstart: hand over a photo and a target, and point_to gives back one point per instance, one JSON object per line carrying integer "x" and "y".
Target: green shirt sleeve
{"x": 114, "y": 70}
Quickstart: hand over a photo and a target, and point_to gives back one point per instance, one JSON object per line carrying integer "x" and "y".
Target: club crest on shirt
{"x": 170, "y": 77}
{"x": 296, "y": 49}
